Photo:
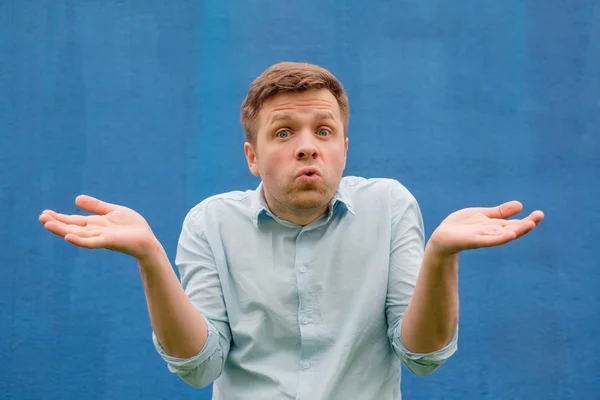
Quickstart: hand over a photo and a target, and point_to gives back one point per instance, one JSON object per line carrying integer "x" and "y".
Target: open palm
{"x": 477, "y": 227}
{"x": 112, "y": 227}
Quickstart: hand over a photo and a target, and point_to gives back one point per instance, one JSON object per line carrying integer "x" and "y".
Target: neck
{"x": 297, "y": 218}
{"x": 300, "y": 217}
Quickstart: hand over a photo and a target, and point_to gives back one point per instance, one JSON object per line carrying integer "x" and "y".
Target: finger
{"x": 536, "y": 216}
{"x": 94, "y": 205}
{"x": 495, "y": 238}
{"x": 522, "y": 228}
{"x": 62, "y": 229}
{"x": 80, "y": 220}
{"x": 45, "y": 217}
{"x": 95, "y": 242}
{"x": 505, "y": 210}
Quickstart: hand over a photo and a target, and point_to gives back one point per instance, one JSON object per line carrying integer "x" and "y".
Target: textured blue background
{"x": 136, "y": 102}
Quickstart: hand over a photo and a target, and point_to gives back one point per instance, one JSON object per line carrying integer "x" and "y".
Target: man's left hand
{"x": 477, "y": 227}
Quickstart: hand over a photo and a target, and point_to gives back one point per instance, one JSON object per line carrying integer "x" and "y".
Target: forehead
{"x": 319, "y": 103}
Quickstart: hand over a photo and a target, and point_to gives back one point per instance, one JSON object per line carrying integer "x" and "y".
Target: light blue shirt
{"x": 309, "y": 312}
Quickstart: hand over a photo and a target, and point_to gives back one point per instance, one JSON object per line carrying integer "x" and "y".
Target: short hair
{"x": 289, "y": 77}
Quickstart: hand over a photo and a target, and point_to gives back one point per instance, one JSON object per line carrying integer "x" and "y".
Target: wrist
{"x": 152, "y": 253}
{"x": 439, "y": 255}
{"x": 441, "y": 245}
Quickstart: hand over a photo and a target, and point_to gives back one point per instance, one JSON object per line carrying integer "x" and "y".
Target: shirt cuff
{"x": 182, "y": 365}
{"x": 424, "y": 363}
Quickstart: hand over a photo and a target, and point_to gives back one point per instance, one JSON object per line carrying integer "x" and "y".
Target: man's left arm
{"x": 431, "y": 318}
{"x": 426, "y": 330}
{"x": 407, "y": 272}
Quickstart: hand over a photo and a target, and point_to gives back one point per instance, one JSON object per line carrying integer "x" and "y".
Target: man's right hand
{"x": 179, "y": 326}
{"x": 112, "y": 227}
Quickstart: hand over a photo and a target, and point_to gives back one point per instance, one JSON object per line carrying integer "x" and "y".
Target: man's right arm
{"x": 189, "y": 320}
{"x": 178, "y": 325}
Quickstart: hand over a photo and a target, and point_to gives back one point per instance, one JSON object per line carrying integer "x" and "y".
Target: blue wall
{"x": 136, "y": 102}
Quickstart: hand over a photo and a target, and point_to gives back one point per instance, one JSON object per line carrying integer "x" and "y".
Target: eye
{"x": 323, "y": 132}
{"x": 283, "y": 134}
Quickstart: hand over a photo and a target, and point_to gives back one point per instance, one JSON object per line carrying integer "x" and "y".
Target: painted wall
{"x": 137, "y": 102}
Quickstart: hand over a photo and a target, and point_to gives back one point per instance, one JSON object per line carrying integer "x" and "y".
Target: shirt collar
{"x": 340, "y": 200}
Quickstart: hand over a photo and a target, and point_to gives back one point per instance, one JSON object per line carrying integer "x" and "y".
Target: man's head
{"x": 295, "y": 119}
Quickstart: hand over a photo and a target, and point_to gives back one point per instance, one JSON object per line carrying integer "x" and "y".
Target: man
{"x": 314, "y": 285}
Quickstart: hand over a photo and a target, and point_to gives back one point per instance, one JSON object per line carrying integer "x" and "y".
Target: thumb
{"x": 504, "y": 210}
{"x": 94, "y": 205}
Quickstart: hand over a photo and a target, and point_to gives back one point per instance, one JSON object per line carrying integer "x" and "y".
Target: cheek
{"x": 272, "y": 164}
{"x": 338, "y": 159}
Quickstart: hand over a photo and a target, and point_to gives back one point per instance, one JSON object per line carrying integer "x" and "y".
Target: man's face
{"x": 299, "y": 153}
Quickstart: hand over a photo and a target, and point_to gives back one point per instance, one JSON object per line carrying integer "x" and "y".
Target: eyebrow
{"x": 319, "y": 116}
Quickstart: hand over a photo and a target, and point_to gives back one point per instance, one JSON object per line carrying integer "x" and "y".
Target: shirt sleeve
{"x": 406, "y": 255}
{"x": 200, "y": 280}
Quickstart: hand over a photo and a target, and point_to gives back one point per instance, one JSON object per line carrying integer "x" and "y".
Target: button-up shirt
{"x": 304, "y": 312}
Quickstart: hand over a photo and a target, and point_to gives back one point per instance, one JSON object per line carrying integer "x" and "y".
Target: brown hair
{"x": 289, "y": 77}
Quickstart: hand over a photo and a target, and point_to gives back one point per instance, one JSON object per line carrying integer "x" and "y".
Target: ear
{"x": 251, "y": 158}
{"x": 346, "y": 151}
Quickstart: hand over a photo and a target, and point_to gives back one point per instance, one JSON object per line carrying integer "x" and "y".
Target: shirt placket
{"x": 307, "y": 305}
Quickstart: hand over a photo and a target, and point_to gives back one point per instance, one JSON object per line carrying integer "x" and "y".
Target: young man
{"x": 312, "y": 286}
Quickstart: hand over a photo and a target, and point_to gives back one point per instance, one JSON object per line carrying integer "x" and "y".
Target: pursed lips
{"x": 308, "y": 171}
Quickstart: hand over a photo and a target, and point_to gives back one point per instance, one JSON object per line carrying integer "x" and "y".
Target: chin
{"x": 310, "y": 199}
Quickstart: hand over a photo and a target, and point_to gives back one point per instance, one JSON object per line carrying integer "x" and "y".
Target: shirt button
{"x": 305, "y": 365}
{"x": 305, "y": 320}
{"x": 303, "y": 269}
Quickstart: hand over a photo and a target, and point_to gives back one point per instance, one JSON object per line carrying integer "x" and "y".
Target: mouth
{"x": 308, "y": 172}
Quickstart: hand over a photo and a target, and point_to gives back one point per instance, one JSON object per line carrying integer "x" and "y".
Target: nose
{"x": 307, "y": 149}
